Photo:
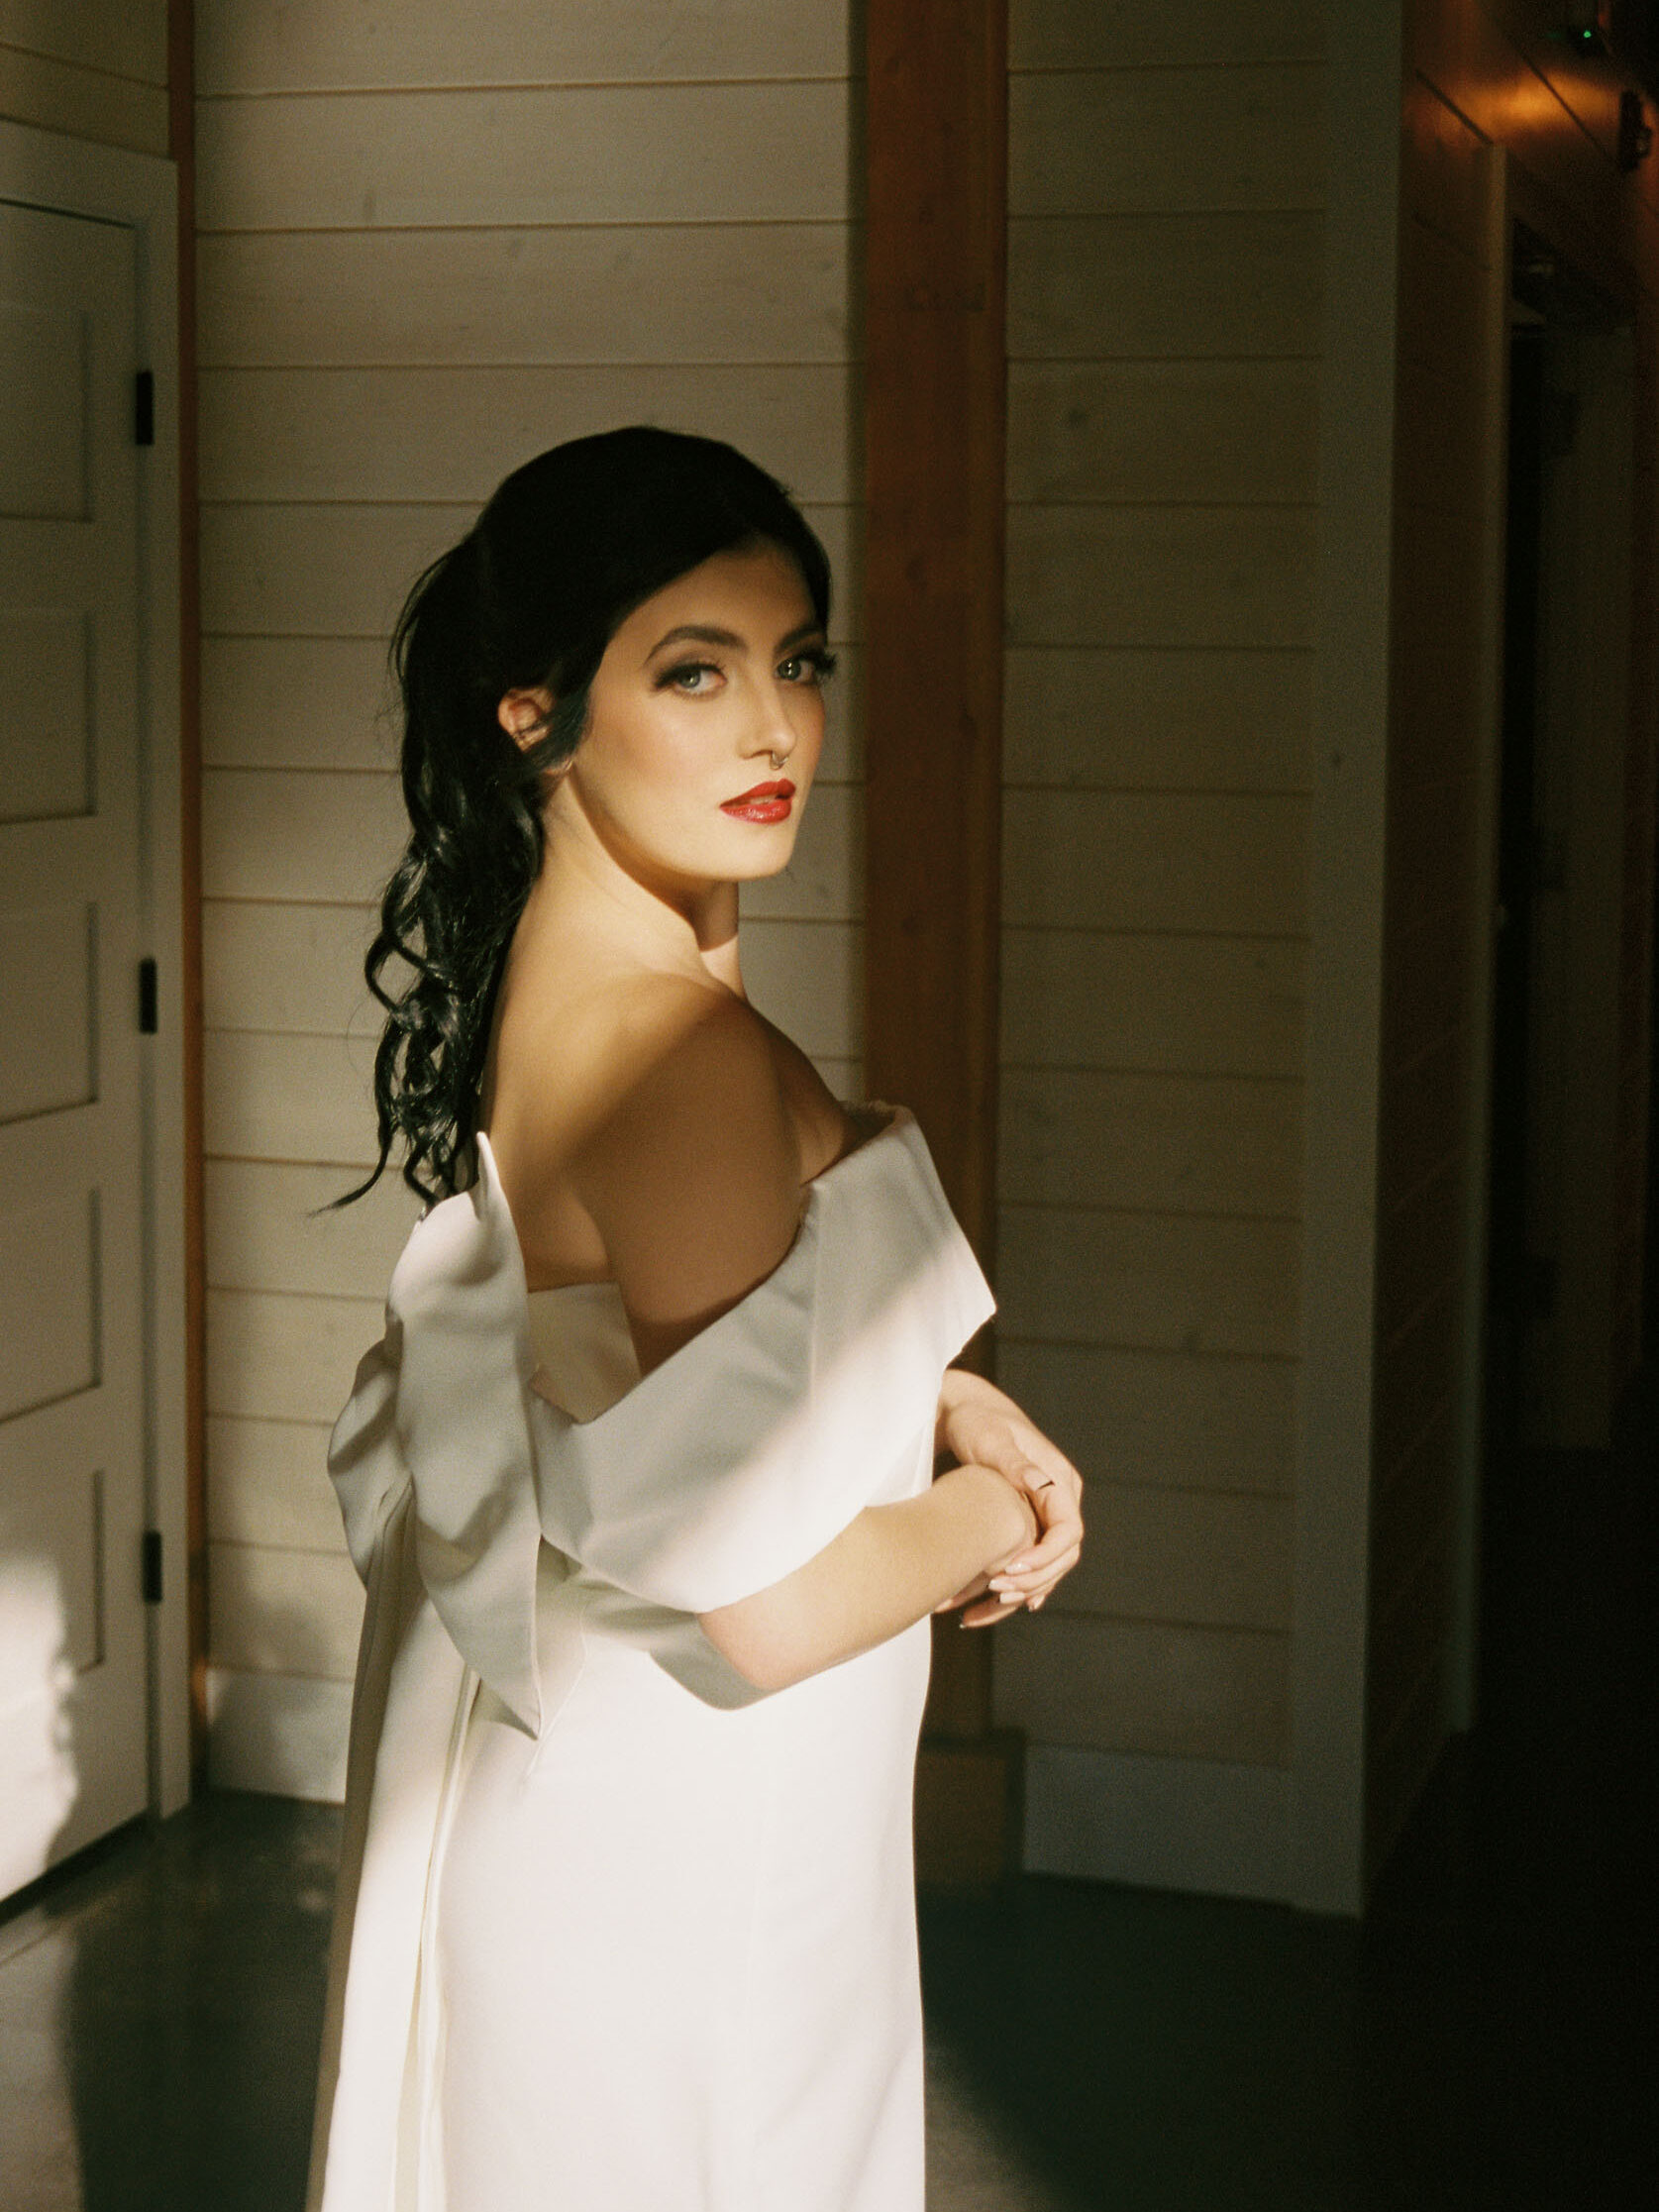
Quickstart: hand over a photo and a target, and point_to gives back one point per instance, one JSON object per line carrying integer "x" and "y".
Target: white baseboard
{"x": 1198, "y": 1825}
{"x": 282, "y": 1734}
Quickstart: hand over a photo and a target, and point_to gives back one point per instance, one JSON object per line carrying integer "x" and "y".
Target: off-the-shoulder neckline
{"x": 899, "y": 1121}
{"x": 898, "y": 1118}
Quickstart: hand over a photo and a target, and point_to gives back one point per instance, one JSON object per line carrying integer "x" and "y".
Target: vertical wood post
{"x": 181, "y": 145}
{"x": 935, "y": 425}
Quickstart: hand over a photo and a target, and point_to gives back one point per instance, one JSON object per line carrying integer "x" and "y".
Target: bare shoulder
{"x": 689, "y": 1164}
{"x": 822, "y": 1129}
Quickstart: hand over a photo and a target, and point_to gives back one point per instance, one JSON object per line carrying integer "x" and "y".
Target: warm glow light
{"x": 1525, "y": 107}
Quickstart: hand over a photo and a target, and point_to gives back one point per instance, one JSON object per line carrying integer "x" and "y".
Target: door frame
{"x": 140, "y": 192}
{"x": 1512, "y": 197}
{"x": 1499, "y": 182}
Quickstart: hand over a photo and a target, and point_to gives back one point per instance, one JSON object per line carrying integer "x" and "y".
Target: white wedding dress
{"x": 616, "y": 1933}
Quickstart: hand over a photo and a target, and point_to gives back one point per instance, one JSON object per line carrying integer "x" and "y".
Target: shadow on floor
{"x": 159, "y": 2010}
{"x": 1482, "y": 2044}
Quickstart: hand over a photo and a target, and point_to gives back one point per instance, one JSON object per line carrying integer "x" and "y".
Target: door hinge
{"x": 150, "y": 1567}
{"x": 1635, "y": 133}
{"x": 144, "y": 408}
{"x": 149, "y": 1000}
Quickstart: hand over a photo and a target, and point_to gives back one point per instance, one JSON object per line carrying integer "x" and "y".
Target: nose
{"x": 774, "y": 733}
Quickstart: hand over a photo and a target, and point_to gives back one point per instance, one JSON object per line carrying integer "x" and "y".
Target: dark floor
{"x": 1484, "y": 2041}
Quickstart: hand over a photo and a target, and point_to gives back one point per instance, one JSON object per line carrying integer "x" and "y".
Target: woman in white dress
{"x": 641, "y": 1476}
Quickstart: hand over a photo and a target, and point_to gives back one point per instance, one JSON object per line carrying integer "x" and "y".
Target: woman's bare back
{"x": 651, "y": 1128}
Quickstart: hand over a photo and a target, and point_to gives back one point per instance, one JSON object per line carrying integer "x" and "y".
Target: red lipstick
{"x": 766, "y": 802}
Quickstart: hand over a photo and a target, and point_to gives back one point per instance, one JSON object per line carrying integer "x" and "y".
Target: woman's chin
{"x": 763, "y": 853}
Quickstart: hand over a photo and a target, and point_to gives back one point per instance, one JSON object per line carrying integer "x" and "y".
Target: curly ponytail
{"x": 567, "y": 548}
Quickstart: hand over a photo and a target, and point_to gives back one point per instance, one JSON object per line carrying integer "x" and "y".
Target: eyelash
{"x": 819, "y": 659}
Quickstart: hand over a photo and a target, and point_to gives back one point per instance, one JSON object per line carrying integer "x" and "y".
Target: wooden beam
{"x": 181, "y": 145}
{"x": 934, "y": 437}
{"x": 935, "y": 421}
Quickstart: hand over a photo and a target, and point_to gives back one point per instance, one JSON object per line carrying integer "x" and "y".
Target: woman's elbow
{"x": 751, "y": 1636}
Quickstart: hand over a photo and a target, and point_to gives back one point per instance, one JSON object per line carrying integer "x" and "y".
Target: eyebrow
{"x": 703, "y": 633}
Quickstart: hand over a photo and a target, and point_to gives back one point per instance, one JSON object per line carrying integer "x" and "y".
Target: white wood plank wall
{"x": 91, "y": 68}
{"x": 1165, "y": 243}
{"x": 434, "y": 241}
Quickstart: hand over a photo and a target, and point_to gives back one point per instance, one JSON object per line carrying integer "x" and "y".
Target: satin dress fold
{"x": 616, "y": 1932}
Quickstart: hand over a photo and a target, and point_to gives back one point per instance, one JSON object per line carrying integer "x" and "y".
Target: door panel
{"x": 45, "y": 712}
{"x": 42, "y": 431}
{"x": 49, "y": 1301}
{"x": 47, "y": 954}
{"x": 72, "y": 1664}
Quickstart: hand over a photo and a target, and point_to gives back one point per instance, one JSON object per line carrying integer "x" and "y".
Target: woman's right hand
{"x": 980, "y": 1422}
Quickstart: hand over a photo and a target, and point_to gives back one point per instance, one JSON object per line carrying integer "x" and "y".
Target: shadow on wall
{"x": 38, "y": 1785}
{"x": 39, "y": 1780}
{"x": 264, "y": 1737}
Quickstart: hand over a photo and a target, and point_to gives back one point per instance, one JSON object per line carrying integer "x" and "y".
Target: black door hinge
{"x": 150, "y": 1012}
{"x": 144, "y": 408}
{"x": 150, "y": 1567}
{"x": 1635, "y": 133}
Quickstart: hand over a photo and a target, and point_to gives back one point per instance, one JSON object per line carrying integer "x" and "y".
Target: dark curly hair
{"x": 568, "y": 546}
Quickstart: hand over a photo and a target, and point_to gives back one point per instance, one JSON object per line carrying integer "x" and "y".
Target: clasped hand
{"x": 980, "y": 1425}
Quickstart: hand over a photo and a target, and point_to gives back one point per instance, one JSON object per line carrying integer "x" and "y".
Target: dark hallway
{"x": 1484, "y": 2041}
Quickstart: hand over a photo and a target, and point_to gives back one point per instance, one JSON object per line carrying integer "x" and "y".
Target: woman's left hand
{"x": 980, "y": 1424}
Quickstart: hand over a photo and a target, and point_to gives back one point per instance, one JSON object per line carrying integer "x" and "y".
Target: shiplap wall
{"x": 1164, "y": 274}
{"x": 91, "y": 68}
{"x": 434, "y": 241}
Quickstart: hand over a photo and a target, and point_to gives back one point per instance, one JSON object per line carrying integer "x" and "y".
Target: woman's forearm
{"x": 891, "y": 1566}
{"x": 962, "y": 1388}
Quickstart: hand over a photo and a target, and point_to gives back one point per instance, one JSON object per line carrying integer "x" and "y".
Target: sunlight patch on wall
{"x": 38, "y": 1783}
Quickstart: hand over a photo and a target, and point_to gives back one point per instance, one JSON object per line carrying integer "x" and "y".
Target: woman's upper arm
{"x": 694, "y": 1179}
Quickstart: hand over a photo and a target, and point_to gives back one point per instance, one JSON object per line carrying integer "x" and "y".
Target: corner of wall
{"x": 1327, "y": 1795}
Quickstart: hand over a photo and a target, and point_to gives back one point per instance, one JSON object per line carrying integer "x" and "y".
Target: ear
{"x": 523, "y": 715}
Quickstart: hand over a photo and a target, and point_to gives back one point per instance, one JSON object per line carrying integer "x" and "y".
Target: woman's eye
{"x": 691, "y": 677}
{"x": 807, "y": 667}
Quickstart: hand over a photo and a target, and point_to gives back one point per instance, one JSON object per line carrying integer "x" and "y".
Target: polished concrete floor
{"x": 1484, "y": 2041}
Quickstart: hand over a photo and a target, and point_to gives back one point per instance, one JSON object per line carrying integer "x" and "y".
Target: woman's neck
{"x": 652, "y": 921}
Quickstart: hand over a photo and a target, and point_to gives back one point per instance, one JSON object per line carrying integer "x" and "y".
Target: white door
{"x": 73, "y": 1707}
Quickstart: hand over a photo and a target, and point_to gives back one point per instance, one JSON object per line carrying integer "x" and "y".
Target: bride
{"x": 642, "y": 1474}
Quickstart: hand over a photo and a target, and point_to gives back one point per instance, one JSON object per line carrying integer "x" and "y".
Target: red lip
{"x": 781, "y": 789}
{"x": 766, "y": 802}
